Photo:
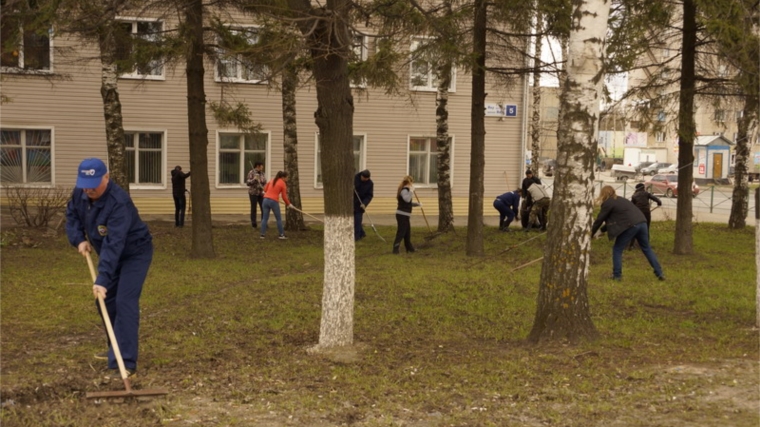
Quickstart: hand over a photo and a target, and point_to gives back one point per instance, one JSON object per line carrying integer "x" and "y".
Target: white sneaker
{"x": 262, "y": 237}
{"x": 282, "y": 237}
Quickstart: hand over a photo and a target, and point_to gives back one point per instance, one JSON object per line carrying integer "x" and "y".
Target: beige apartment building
{"x": 52, "y": 118}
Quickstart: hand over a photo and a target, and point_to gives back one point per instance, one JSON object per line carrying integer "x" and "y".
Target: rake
{"x": 369, "y": 218}
{"x": 433, "y": 234}
{"x": 128, "y": 392}
{"x": 308, "y": 214}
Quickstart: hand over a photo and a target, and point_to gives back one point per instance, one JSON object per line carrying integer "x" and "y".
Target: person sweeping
{"x": 404, "y": 214}
{"x": 102, "y": 216}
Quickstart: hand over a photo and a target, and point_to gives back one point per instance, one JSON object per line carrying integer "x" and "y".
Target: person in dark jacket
{"x": 508, "y": 205}
{"x": 101, "y": 216}
{"x": 641, "y": 198}
{"x": 178, "y": 192}
{"x": 624, "y": 222}
{"x": 404, "y": 214}
{"x": 363, "y": 194}
{"x": 527, "y": 203}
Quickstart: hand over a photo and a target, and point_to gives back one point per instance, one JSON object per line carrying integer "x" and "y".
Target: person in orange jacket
{"x": 272, "y": 192}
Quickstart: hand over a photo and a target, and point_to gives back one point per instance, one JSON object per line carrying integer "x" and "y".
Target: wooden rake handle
{"x": 109, "y": 328}
{"x": 307, "y": 214}
{"x": 423, "y": 211}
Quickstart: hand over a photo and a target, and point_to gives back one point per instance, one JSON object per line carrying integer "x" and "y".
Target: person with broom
{"x": 102, "y": 216}
{"x": 404, "y": 214}
{"x": 363, "y": 194}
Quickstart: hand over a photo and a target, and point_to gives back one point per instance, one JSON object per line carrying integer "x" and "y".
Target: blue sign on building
{"x": 510, "y": 110}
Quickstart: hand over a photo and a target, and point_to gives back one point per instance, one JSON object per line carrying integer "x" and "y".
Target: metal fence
{"x": 711, "y": 199}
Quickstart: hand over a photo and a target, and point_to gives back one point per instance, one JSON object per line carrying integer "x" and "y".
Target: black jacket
{"x": 618, "y": 214}
{"x": 641, "y": 199}
{"x": 178, "y": 182}
{"x": 365, "y": 192}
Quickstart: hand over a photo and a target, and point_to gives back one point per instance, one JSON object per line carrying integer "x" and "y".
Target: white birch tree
{"x": 563, "y": 311}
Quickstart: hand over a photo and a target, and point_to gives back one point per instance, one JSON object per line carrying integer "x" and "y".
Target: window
{"x": 551, "y": 113}
{"x": 359, "y": 49}
{"x": 23, "y": 46}
{"x": 720, "y": 116}
{"x": 666, "y": 53}
{"x": 423, "y": 160}
{"x": 232, "y": 64}
{"x": 25, "y": 156}
{"x": 659, "y": 137}
{"x": 423, "y": 67}
{"x": 238, "y": 153}
{"x": 661, "y": 116}
{"x": 144, "y": 157}
{"x": 358, "y": 142}
{"x": 135, "y": 51}
{"x": 722, "y": 70}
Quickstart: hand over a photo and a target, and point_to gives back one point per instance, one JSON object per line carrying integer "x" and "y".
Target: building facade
{"x": 52, "y": 118}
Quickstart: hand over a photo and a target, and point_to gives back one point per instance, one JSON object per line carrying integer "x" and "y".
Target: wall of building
{"x": 68, "y": 102}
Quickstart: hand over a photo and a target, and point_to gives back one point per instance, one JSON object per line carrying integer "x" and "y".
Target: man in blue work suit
{"x": 363, "y": 194}
{"x": 508, "y": 205}
{"x": 99, "y": 210}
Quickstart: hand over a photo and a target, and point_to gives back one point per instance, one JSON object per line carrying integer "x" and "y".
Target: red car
{"x": 667, "y": 185}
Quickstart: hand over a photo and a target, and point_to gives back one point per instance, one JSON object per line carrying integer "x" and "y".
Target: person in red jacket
{"x": 272, "y": 192}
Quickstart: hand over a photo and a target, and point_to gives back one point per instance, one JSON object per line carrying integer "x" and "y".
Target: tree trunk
{"x": 535, "y": 125}
{"x": 687, "y": 129}
{"x": 203, "y": 245}
{"x": 562, "y": 313}
{"x": 293, "y": 218}
{"x": 445, "y": 202}
{"x": 329, "y": 40}
{"x": 740, "y": 194}
{"x": 109, "y": 91}
{"x": 477, "y": 131}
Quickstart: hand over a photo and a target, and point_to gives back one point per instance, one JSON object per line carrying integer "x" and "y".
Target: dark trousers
{"x": 179, "y": 210}
{"x": 123, "y": 306}
{"x": 255, "y": 200}
{"x": 404, "y": 232}
{"x": 639, "y": 232}
{"x": 506, "y": 215}
{"x": 358, "y": 229}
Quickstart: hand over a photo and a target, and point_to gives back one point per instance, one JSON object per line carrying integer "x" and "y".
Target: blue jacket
{"x": 511, "y": 199}
{"x": 365, "y": 192}
{"x": 113, "y": 226}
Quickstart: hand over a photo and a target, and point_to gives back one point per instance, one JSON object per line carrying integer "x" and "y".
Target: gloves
{"x": 288, "y": 207}
{"x": 363, "y": 206}
{"x": 419, "y": 204}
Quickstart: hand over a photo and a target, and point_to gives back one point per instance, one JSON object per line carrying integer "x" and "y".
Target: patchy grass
{"x": 440, "y": 336}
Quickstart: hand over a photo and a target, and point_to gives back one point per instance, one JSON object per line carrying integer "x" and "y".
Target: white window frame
{"x": 361, "y": 53}
{"x": 660, "y": 136}
{"x": 243, "y": 167}
{"x": 317, "y": 150}
{"x": 135, "y": 74}
{"x": 20, "y": 68}
{"x": 237, "y": 61}
{"x": 432, "y": 140}
{"x": 22, "y": 145}
{"x": 431, "y": 85}
{"x": 719, "y": 116}
{"x": 136, "y": 149}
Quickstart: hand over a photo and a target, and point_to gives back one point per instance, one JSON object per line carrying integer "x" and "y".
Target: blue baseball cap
{"x": 90, "y": 173}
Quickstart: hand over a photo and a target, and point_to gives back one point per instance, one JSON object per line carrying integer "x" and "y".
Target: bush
{"x": 36, "y": 206}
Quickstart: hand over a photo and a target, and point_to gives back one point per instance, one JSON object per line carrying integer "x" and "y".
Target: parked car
{"x": 670, "y": 169}
{"x": 653, "y": 168}
{"x": 642, "y": 165}
{"x": 667, "y": 184}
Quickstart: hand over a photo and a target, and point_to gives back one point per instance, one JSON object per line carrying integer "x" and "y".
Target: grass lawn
{"x": 440, "y": 337}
